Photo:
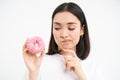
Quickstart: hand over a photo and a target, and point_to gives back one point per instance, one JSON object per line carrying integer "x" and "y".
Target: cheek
{"x": 76, "y": 37}
{"x": 56, "y": 36}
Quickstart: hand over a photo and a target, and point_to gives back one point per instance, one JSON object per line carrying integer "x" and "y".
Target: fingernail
{"x": 70, "y": 56}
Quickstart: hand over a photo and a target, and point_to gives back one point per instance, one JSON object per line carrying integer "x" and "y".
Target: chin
{"x": 66, "y": 48}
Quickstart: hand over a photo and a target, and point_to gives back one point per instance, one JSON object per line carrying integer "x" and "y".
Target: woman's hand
{"x": 31, "y": 60}
{"x": 72, "y": 63}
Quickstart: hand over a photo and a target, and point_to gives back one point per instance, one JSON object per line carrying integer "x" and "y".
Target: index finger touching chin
{"x": 70, "y": 53}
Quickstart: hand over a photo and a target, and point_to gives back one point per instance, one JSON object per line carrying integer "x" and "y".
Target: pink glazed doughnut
{"x": 35, "y": 45}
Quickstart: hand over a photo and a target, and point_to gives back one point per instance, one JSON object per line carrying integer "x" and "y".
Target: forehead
{"x": 65, "y": 17}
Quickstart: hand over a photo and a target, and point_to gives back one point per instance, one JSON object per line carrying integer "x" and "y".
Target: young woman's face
{"x": 66, "y": 30}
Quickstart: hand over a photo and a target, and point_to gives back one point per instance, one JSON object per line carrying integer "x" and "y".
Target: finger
{"x": 24, "y": 46}
{"x": 25, "y": 50}
{"x": 68, "y": 52}
{"x": 69, "y": 66}
{"x": 42, "y": 54}
{"x": 68, "y": 58}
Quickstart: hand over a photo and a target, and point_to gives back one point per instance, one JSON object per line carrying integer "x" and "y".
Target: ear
{"x": 82, "y": 30}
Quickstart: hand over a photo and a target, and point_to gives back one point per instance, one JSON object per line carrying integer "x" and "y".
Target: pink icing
{"x": 35, "y": 45}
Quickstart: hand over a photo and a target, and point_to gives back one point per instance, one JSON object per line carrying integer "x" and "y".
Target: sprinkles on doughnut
{"x": 35, "y": 45}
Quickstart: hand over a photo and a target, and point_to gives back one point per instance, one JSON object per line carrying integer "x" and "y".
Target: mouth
{"x": 66, "y": 41}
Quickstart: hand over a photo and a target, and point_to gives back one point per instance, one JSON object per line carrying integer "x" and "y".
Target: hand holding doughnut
{"x": 35, "y": 45}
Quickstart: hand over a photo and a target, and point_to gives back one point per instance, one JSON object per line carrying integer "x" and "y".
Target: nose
{"x": 64, "y": 33}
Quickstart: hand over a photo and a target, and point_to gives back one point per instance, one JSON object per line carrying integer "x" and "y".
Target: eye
{"x": 71, "y": 29}
{"x": 57, "y": 28}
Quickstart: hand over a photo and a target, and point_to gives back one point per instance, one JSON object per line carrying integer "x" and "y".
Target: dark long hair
{"x": 83, "y": 46}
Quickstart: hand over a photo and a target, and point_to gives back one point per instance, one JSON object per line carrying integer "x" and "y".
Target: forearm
{"x": 80, "y": 74}
{"x": 82, "y": 77}
{"x": 33, "y": 75}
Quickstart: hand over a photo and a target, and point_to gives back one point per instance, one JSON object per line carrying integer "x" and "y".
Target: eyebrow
{"x": 56, "y": 23}
{"x": 67, "y": 23}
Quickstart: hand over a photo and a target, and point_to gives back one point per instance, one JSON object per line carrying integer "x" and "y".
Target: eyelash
{"x": 71, "y": 29}
{"x": 57, "y": 28}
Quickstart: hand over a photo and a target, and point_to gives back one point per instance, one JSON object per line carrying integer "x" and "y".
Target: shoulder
{"x": 92, "y": 68}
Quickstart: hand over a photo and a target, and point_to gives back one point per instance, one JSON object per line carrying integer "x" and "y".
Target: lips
{"x": 66, "y": 41}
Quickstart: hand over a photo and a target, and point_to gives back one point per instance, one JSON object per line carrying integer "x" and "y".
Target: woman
{"x": 69, "y": 44}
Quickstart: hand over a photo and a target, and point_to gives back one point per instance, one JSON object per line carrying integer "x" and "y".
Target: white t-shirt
{"x": 53, "y": 68}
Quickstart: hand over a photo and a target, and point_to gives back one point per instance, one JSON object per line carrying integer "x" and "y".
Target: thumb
{"x": 42, "y": 54}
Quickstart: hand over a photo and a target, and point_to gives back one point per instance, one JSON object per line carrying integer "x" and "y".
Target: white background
{"x": 20, "y": 19}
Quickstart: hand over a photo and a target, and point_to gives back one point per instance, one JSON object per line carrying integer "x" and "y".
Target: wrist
{"x": 33, "y": 75}
{"x": 80, "y": 74}
{"x": 82, "y": 78}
